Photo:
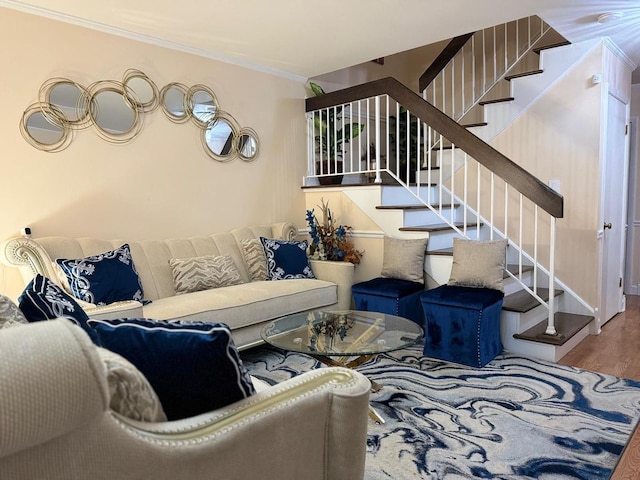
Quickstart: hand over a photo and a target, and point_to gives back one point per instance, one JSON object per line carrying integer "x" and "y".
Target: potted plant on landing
{"x": 329, "y": 136}
{"x": 406, "y": 148}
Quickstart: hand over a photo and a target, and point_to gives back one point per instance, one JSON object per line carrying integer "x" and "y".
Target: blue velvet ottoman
{"x": 390, "y": 295}
{"x": 462, "y": 324}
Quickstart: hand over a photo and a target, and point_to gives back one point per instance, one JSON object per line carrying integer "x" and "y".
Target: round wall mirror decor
{"x": 248, "y": 145}
{"x": 202, "y": 105}
{"x": 70, "y": 99}
{"x": 219, "y": 137}
{"x": 40, "y": 132}
{"x": 147, "y": 96}
{"x": 114, "y": 116}
{"x": 116, "y": 110}
{"x": 172, "y": 100}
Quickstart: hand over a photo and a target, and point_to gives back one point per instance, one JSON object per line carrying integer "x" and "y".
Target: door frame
{"x": 633, "y": 223}
{"x": 604, "y": 129}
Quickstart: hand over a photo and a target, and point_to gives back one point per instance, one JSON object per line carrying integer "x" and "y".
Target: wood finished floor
{"x": 615, "y": 351}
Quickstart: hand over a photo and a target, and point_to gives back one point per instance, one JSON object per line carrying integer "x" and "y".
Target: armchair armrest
{"x": 312, "y": 426}
{"x": 340, "y": 273}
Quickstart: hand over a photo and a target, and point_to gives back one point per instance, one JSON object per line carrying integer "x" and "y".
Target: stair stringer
{"x": 556, "y": 63}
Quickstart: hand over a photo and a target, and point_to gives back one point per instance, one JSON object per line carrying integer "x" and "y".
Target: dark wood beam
{"x": 516, "y": 176}
{"x": 442, "y": 60}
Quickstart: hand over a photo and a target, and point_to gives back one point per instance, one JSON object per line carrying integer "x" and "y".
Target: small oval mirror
{"x": 112, "y": 113}
{"x": 70, "y": 100}
{"x": 43, "y": 131}
{"x": 145, "y": 93}
{"x": 219, "y": 138}
{"x": 202, "y": 105}
{"x": 40, "y": 132}
{"x": 247, "y": 144}
{"x": 173, "y": 102}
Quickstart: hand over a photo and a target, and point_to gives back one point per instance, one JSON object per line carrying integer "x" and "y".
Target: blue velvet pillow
{"x": 286, "y": 259}
{"x": 105, "y": 278}
{"x": 194, "y": 367}
{"x": 44, "y": 300}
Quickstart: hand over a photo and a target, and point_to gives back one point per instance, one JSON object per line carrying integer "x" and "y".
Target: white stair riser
{"x": 397, "y": 195}
{"x": 427, "y": 217}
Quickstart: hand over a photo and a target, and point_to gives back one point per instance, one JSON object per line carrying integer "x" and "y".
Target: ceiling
{"x": 304, "y": 39}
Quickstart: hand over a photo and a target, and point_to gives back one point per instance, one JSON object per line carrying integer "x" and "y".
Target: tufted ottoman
{"x": 462, "y": 324}
{"x": 390, "y": 295}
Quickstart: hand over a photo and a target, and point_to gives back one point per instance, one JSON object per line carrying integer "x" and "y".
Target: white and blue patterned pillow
{"x": 193, "y": 367}
{"x": 44, "y": 300}
{"x": 286, "y": 259}
{"x": 105, "y": 278}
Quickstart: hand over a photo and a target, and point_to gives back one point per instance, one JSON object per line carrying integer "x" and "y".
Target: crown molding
{"x": 139, "y": 37}
{"x": 610, "y": 44}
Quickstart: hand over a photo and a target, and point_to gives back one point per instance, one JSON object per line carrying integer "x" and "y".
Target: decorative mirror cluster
{"x": 116, "y": 112}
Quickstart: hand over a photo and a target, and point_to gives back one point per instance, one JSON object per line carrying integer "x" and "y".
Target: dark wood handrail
{"x": 442, "y": 60}
{"x": 516, "y": 176}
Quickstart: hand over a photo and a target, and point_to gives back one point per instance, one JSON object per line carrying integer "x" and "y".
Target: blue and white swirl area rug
{"x": 515, "y": 418}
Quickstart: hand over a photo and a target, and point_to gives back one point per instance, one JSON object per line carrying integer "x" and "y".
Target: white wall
{"x": 162, "y": 184}
{"x": 633, "y": 246}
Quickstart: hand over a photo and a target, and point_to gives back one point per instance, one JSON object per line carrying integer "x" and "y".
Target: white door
{"x": 614, "y": 210}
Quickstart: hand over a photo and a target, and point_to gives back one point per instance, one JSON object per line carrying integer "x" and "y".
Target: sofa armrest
{"x": 284, "y": 231}
{"x": 340, "y": 273}
{"x": 28, "y": 256}
{"x": 112, "y": 311}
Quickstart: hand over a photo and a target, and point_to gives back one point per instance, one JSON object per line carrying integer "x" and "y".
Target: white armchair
{"x": 56, "y": 423}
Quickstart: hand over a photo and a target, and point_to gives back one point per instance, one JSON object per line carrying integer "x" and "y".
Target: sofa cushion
{"x": 478, "y": 263}
{"x": 255, "y": 259}
{"x": 286, "y": 259}
{"x": 194, "y": 368}
{"x": 247, "y": 304}
{"x": 130, "y": 393}
{"x": 403, "y": 258}
{"x": 44, "y": 300}
{"x": 202, "y": 273}
{"x": 104, "y": 278}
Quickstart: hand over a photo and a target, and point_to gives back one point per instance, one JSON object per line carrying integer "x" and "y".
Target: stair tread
{"x": 514, "y": 268}
{"x": 496, "y": 100}
{"x": 522, "y": 301}
{"x": 523, "y": 74}
{"x": 567, "y": 325}
{"x": 415, "y": 207}
{"x": 436, "y": 227}
{"x": 478, "y": 124}
{"x": 551, "y": 45}
{"x": 442, "y": 251}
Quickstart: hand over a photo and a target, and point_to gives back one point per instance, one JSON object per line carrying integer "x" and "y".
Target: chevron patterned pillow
{"x": 203, "y": 273}
{"x": 255, "y": 259}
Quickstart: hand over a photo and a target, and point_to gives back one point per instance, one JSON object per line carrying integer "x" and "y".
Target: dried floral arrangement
{"x": 328, "y": 240}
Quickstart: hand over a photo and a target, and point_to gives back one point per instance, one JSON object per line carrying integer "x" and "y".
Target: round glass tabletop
{"x": 346, "y": 332}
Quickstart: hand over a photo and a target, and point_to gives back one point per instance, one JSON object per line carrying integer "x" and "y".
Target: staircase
{"x": 442, "y": 201}
{"x": 524, "y": 318}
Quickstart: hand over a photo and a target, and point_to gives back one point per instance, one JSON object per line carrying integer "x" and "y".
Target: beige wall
{"x": 161, "y": 184}
{"x": 558, "y": 137}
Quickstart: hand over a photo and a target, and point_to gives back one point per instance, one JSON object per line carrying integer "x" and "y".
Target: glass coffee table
{"x": 345, "y": 338}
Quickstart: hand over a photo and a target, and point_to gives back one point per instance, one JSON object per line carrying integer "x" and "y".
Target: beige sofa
{"x": 245, "y": 307}
{"x": 56, "y": 422}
